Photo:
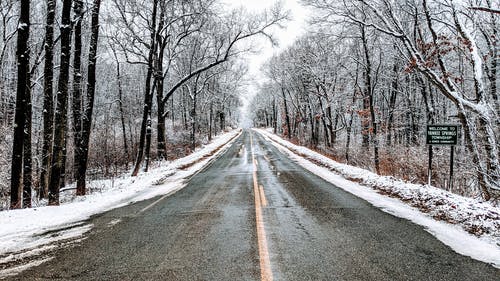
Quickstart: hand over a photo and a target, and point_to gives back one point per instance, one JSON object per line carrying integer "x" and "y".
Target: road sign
{"x": 442, "y": 134}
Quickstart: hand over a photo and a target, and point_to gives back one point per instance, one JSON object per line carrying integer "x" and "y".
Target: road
{"x": 253, "y": 214}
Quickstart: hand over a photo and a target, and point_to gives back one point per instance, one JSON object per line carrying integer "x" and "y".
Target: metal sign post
{"x": 442, "y": 135}
{"x": 452, "y": 154}
{"x": 429, "y": 169}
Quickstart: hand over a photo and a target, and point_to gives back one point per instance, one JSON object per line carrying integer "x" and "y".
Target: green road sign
{"x": 442, "y": 134}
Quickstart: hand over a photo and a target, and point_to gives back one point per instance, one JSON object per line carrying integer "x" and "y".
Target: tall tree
{"x": 48, "y": 104}
{"x": 60, "y": 121}
{"x": 120, "y": 100}
{"x": 89, "y": 106}
{"x": 27, "y": 154}
{"x": 77, "y": 88}
{"x": 23, "y": 91}
{"x": 148, "y": 93}
{"x": 368, "y": 98}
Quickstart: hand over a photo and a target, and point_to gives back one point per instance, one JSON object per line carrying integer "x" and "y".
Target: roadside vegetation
{"x": 367, "y": 78}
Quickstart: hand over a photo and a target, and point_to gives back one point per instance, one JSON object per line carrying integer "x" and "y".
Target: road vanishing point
{"x": 254, "y": 214}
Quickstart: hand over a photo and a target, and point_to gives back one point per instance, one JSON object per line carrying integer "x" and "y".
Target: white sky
{"x": 285, "y": 37}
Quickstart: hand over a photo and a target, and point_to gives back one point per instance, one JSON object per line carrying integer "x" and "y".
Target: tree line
{"x": 369, "y": 75}
{"x": 99, "y": 85}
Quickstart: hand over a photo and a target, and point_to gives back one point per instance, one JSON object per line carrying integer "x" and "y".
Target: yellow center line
{"x": 265, "y": 264}
{"x": 262, "y": 196}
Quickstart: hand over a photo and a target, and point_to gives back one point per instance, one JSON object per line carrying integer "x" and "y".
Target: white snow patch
{"x": 27, "y": 254}
{"x": 20, "y": 241}
{"x": 485, "y": 248}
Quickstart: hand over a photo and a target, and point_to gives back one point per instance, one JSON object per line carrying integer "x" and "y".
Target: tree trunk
{"x": 161, "y": 129}
{"x": 172, "y": 115}
{"x": 23, "y": 60}
{"x": 222, "y": 118}
{"x": 376, "y": 158}
{"x": 21, "y": 104}
{"x": 349, "y": 130}
{"x": 120, "y": 104}
{"x": 428, "y": 100}
{"x": 148, "y": 95}
{"x": 62, "y": 181}
{"x": 275, "y": 115}
{"x": 193, "y": 122}
{"x": 160, "y": 83}
{"x": 349, "y": 126}
{"x": 326, "y": 131}
{"x": 62, "y": 106}
{"x": 365, "y": 121}
{"x": 331, "y": 129}
{"x": 369, "y": 99}
{"x": 287, "y": 117}
{"x": 27, "y": 159}
{"x": 184, "y": 110}
{"x": 48, "y": 104}
{"x": 392, "y": 105}
{"x": 334, "y": 128}
{"x": 77, "y": 89}
{"x": 312, "y": 122}
{"x": 493, "y": 77}
{"x": 148, "y": 144}
{"x": 210, "y": 121}
{"x": 89, "y": 107}
{"x": 470, "y": 142}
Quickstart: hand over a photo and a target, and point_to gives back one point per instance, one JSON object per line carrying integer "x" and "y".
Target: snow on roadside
{"x": 21, "y": 229}
{"x": 467, "y": 225}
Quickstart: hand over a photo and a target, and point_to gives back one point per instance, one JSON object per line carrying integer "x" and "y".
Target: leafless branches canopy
{"x": 378, "y": 71}
{"x": 168, "y": 72}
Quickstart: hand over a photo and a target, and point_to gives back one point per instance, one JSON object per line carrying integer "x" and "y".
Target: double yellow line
{"x": 260, "y": 200}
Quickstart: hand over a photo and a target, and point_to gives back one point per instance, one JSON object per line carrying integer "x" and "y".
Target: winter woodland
{"x": 363, "y": 84}
{"x": 90, "y": 89}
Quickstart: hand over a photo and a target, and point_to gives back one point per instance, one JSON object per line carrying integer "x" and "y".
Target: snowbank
{"x": 467, "y": 225}
{"x": 25, "y": 229}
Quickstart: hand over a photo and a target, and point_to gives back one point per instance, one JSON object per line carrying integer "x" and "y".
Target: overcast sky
{"x": 285, "y": 38}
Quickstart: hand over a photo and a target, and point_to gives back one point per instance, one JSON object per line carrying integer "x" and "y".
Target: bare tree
{"x": 48, "y": 104}
{"x": 60, "y": 121}
{"x": 22, "y": 103}
{"x": 77, "y": 101}
{"x": 88, "y": 109}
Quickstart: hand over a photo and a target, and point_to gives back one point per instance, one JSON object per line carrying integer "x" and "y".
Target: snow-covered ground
{"x": 469, "y": 226}
{"x": 26, "y": 232}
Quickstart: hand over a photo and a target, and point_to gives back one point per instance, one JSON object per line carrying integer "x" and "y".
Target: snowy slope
{"x": 467, "y": 225}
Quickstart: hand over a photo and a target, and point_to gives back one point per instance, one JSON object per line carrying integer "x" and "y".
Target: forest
{"x": 363, "y": 84}
{"x": 93, "y": 89}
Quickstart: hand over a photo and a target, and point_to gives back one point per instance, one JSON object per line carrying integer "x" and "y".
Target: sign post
{"x": 452, "y": 153}
{"x": 442, "y": 135}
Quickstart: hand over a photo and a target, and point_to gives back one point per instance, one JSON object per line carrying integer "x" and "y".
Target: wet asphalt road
{"x": 208, "y": 231}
